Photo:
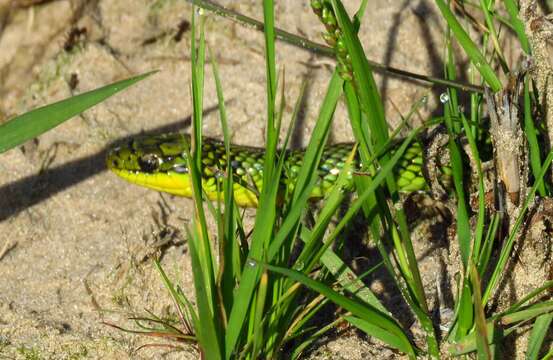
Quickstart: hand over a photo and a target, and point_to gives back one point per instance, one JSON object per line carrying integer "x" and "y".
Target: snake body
{"x": 159, "y": 163}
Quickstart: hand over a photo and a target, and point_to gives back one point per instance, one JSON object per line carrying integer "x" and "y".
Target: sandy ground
{"x": 78, "y": 242}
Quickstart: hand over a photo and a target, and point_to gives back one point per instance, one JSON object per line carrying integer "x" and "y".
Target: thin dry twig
{"x": 8, "y": 246}
{"x": 324, "y": 50}
{"x": 509, "y": 144}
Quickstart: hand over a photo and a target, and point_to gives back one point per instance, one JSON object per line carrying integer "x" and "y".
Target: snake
{"x": 160, "y": 163}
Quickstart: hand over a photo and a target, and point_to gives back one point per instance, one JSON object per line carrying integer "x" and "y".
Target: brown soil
{"x": 76, "y": 243}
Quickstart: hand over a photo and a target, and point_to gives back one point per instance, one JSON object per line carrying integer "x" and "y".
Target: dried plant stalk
{"x": 509, "y": 145}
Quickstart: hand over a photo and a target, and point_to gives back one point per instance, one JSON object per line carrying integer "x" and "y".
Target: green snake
{"x": 159, "y": 163}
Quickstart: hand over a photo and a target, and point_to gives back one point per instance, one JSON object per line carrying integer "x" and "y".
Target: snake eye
{"x": 149, "y": 163}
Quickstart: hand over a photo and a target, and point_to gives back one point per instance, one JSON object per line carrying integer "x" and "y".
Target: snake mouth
{"x": 181, "y": 185}
{"x": 172, "y": 183}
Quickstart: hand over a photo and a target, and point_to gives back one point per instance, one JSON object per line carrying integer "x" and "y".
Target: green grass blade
{"x": 203, "y": 245}
{"x": 311, "y": 160}
{"x": 349, "y": 280}
{"x": 207, "y": 332}
{"x": 487, "y": 8}
{"x": 258, "y": 328}
{"x": 468, "y": 343}
{"x": 366, "y": 88}
{"x": 266, "y": 213}
{"x": 203, "y": 262}
{"x": 534, "y": 294}
{"x": 229, "y": 251}
{"x": 481, "y": 217}
{"x": 450, "y": 72}
{"x": 532, "y": 136}
{"x": 528, "y": 313}
{"x": 384, "y": 325}
{"x": 314, "y": 150}
{"x": 35, "y": 122}
{"x": 388, "y": 338}
{"x": 368, "y": 119}
{"x": 517, "y": 24}
{"x": 470, "y": 47}
{"x": 451, "y": 112}
{"x": 464, "y": 306}
{"x": 464, "y": 311}
{"x": 486, "y": 251}
{"x": 269, "y": 21}
{"x": 463, "y": 223}
{"x": 178, "y": 298}
{"x": 482, "y": 346}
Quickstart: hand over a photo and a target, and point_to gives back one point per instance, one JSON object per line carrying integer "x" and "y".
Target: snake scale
{"x": 159, "y": 163}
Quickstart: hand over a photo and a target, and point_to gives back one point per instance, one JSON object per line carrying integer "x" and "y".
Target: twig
{"x": 325, "y": 50}
{"x": 8, "y": 246}
{"x": 509, "y": 145}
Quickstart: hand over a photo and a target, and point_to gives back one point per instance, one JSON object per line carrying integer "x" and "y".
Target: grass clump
{"x": 249, "y": 302}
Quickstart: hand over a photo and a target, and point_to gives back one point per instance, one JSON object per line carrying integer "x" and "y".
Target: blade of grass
{"x": 206, "y": 327}
{"x": 528, "y": 313}
{"x": 532, "y": 136}
{"x": 35, "y": 122}
{"x": 373, "y": 330}
{"x": 517, "y": 24}
{"x": 178, "y": 299}
{"x": 205, "y": 257}
{"x": 486, "y": 251}
{"x": 351, "y": 283}
{"x": 487, "y": 10}
{"x": 229, "y": 252}
{"x": 470, "y": 47}
{"x": 481, "y": 217}
{"x": 385, "y": 328}
{"x": 370, "y": 101}
{"x": 533, "y": 294}
{"x": 464, "y": 307}
{"x": 312, "y": 156}
{"x": 259, "y": 338}
{"x": 266, "y": 214}
{"x": 468, "y": 343}
{"x": 203, "y": 265}
{"x": 482, "y": 345}
{"x": 539, "y": 331}
{"x": 365, "y": 108}
{"x": 371, "y": 108}
{"x": 463, "y": 224}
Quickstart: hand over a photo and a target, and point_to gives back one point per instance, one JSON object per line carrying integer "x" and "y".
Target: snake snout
{"x": 120, "y": 158}
{"x": 112, "y": 160}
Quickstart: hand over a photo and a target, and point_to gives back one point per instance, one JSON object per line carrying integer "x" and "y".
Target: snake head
{"x": 151, "y": 155}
